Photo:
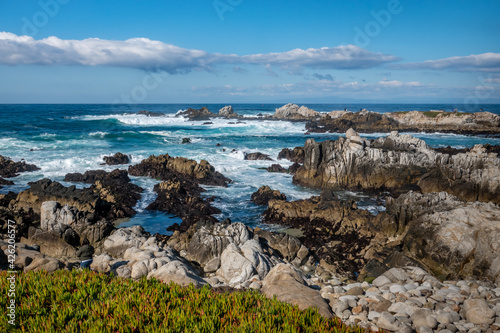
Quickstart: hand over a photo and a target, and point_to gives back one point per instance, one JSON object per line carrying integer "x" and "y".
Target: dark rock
{"x": 292, "y": 169}
{"x": 296, "y": 155}
{"x": 164, "y": 167}
{"x": 5, "y": 182}
{"x": 151, "y": 114}
{"x": 9, "y": 168}
{"x": 186, "y": 140}
{"x": 194, "y": 114}
{"x": 116, "y": 159}
{"x": 265, "y": 194}
{"x": 257, "y": 157}
{"x": 276, "y": 168}
{"x": 207, "y": 123}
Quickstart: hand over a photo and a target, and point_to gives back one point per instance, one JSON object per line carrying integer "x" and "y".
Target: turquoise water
{"x": 74, "y": 138}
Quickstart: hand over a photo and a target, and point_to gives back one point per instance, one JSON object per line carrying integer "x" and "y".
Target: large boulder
{"x": 293, "y": 111}
{"x": 227, "y": 112}
{"x": 288, "y": 285}
{"x": 163, "y": 167}
{"x": 125, "y": 238}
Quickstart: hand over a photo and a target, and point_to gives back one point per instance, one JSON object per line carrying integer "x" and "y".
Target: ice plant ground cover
{"x": 84, "y": 301}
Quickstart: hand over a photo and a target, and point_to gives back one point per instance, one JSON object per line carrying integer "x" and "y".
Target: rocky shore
{"x": 428, "y": 262}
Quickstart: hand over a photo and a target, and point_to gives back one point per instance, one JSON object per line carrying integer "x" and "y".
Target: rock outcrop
{"x": 227, "y": 112}
{"x": 197, "y": 114}
{"x": 293, "y": 111}
{"x": 113, "y": 187}
{"x": 399, "y": 163}
{"x": 413, "y": 121}
{"x": 9, "y": 168}
{"x": 295, "y": 155}
{"x": 164, "y": 167}
{"x": 257, "y": 157}
{"x": 5, "y": 182}
{"x": 264, "y": 194}
{"x": 451, "y": 237}
{"x": 116, "y": 159}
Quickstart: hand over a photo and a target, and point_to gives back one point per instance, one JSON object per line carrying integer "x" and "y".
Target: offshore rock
{"x": 399, "y": 163}
{"x": 116, "y": 159}
{"x": 9, "y": 168}
{"x": 295, "y": 155}
{"x": 257, "y": 157}
{"x": 293, "y": 111}
{"x": 265, "y": 194}
{"x": 164, "y": 167}
{"x": 227, "y": 112}
{"x": 197, "y": 114}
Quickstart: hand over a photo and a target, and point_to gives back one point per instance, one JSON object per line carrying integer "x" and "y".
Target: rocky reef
{"x": 399, "y": 163}
{"x": 205, "y": 114}
{"x": 116, "y": 159}
{"x": 164, "y": 167}
{"x": 9, "y": 168}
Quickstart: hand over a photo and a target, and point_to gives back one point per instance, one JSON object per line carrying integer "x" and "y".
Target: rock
{"x": 235, "y": 268}
{"x": 257, "y": 157}
{"x": 264, "y": 194}
{"x": 8, "y": 182}
{"x": 296, "y": 155}
{"x": 293, "y": 111}
{"x": 399, "y": 163}
{"x": 46, "y": 264}
{"x": 276, "y": 168}
{"x": 286, "y": 246}
{"x": 178, "y": 273}
{"x": 164, "y": 167}
{"x": 195, "y": 114}
{"x": 186, "y": 140}
{"x": 9, "y": 168}
{"x": 388, "y": 322}
{"x": 461, "y": 238}
{"x": 116, "y": 159}
{"x": 151, "y": 114}
{"x": 52, "y": 244}
{"x": 227, "y": 111}
{"x": 478, "y": 312}
{"x": 288, "y": 285}
{"x": 412, "y": 121}
{"x": 357, "y": 291}
{"x": 423, "y": 317}
{"x": 124, "y": 238}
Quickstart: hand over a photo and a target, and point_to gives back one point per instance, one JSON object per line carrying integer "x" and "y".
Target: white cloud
{"x": 398, "y": 84}
{"x": 489, "y": 62}
{"x": 143, "y": 53}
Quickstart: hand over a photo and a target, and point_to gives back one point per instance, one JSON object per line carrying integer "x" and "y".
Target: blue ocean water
{"x": 74, "y": 138}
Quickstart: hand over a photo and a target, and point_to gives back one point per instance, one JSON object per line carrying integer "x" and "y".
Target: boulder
{"x": 293, "y": 111}
{"x": 116, "y": 159}
{"x": 178, "y": 273}
{"x": 125, "y": 238}
{"x": 288, "y": 285}
{"x": 227, "y": 112}
{"x": 197, "y": 114}
{"x": 264, "y": 194}
{"x": 276, "y": 168}
{"x": 478, "y": 312}
{"x": 295, "y": 155}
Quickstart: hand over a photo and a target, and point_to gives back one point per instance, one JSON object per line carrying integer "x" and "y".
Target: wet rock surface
{"x": 164, "y": 167}
{"x": 9, "y": 168}
{"x": 257, "y": 157}
{"x": 264, "y": 194}
{"x": 295, "y": 155}
{"x": 116, "y": 159}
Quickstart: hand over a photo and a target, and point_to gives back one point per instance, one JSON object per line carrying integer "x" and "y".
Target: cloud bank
{"x": 487, "y": 62}
{"x": 146, "y": 54}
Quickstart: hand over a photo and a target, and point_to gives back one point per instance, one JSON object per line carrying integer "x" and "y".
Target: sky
{"x": 249, "y": 51}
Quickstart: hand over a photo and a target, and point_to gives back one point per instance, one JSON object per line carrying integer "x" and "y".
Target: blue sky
{"x": 229, "y": 51}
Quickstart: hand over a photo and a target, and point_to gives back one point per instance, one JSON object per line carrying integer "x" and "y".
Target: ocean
{"x": 62, "y": 138}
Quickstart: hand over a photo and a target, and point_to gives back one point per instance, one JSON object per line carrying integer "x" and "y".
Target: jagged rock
{"x": 186, "y": 140}
{"x": 164, "y": 167}
{"x": 195, "y": 114}
{"x": 459, "y": 238}
{"x": 52, "y": 244}
{"x": 293, "y": 111}
{"x": 257, "y": 157}
{"x": 399, "y": 163}
{"x": 9, "y": 168}
{"x": 292, "y": 169}
{"x": 116, "y": 159}
{"x": 296, "y": 155}
{"x": 181, "y": 196}
{"x": 235, "y": 268}
{"x": 5, "y": 182}
{"x": 276, "y": 168}
{"x": 288, "y": 247}
{"x": 264, "y": 194}
{"x": 125, "y": 238}
{"x": 227, "y": 112}
{"x": 113, "y": 187}
{"x": 288, "y": 285}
